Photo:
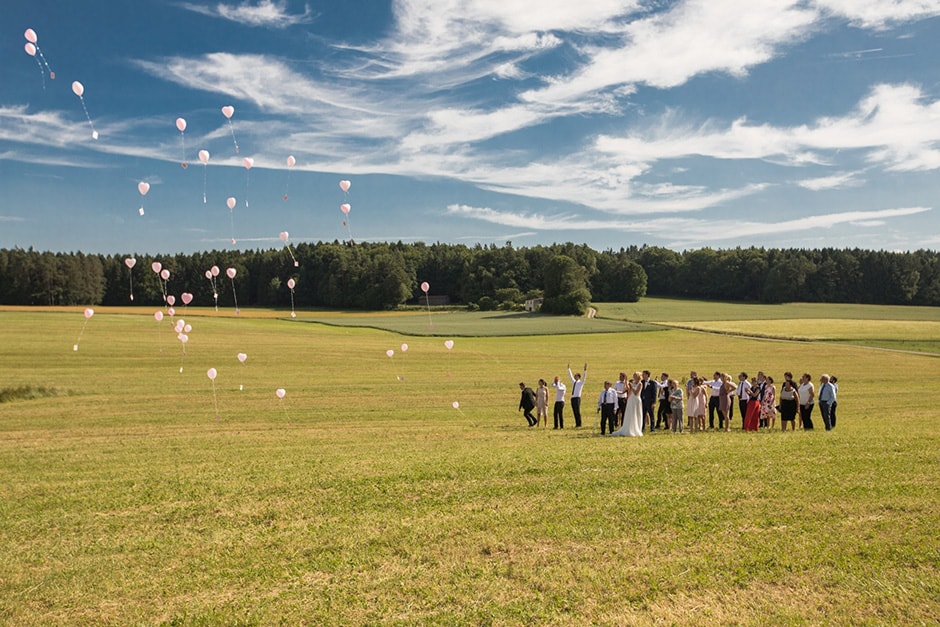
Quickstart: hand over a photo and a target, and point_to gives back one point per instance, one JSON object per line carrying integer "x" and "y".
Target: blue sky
{"x": 684, "y": 124}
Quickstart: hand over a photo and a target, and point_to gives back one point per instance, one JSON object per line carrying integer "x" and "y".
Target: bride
{"x": 633, "y": 414}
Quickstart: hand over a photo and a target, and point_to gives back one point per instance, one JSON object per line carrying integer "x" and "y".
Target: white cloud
{"x": 267, "y": 13}
{"x": 880, "y": 14}
{"x": 681, "y": 230}
{"x": 833, "y": 181}
{"x": 12, "y": 219}
{"x": 697, "y": 36}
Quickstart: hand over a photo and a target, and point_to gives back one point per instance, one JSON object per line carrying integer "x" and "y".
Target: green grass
{"x": 664, "y": 310}
{"x": 364, "y": 497}
{"x": 914, "y": 329}
{"x": 476, "y": 324}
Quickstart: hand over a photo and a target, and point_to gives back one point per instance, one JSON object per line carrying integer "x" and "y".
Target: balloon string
{"x": 428, "y": 299}
{"x": 205, "y": 177}
{"x": 42, "y": 72}
{"x": 234, "y": 296}
{"x": 231, "y": 221}
{"x": 215, "y": 399}
{"x": 130, "y": 276}
{"x": 234, "y": 141}
{"x": 94, "y": 133}
{"x": 183, "y": 163}
{"x": 292, "y": 314}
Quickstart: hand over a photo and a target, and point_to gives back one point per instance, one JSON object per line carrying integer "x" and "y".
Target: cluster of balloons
{"x": 32, "y": 49}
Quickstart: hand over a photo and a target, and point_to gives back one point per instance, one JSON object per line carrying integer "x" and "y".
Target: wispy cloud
{"x": 880, "y": 14}
{"x": 678, "y": 229}
{"x": 833, "y": 181}
{"x": 12, "y": 219}
{"x": 265, "y": 13}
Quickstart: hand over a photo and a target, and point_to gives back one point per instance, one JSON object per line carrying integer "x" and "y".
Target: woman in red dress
{"x": 752, "y": 418}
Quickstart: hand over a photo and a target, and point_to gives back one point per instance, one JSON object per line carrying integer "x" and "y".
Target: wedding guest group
{"x": 633, "y": 405}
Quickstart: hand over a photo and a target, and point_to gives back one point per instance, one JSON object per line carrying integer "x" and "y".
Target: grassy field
{"x": 914, "y": 329}
{"x": 137, "y": 492}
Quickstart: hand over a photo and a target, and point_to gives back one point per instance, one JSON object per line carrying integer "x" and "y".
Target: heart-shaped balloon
{"x": 156, "y": 266}
{"x": 228, "y": 111}
{"x": 242, "y": 357}
{"x": 170, "y": 300}
{"x": 449, "y": 344}
{"x": 281, "y": 392}
{"x": 231, "y": 272}
{"x": 130, "y": 262}
{"x": 186, "y": 297}
{"x": 143, "y": 187}
{"x": 344, "y": 185}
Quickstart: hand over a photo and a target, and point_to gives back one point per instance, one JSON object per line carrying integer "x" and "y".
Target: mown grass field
{"x": 136, "y": 496}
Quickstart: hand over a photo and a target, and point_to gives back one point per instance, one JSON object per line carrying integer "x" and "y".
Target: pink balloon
{"x": 186, "y": 297}
{"x": 344, "y": 185}
{"x": 280, "y": 392}
{"x": 404, "y": 348}
{"x": 158, "y": 316}
{"x": 345, "y": 208}
{"x": 228, "y": 111}
{"x": 30, "y": 35}
{"x": 449, "y": 344}
{"x": 179, "y": 325}
{"x": 156, "y": 266}
{"x": 291, "y": 161}
{"x": 214, "y": 270}
{"x": 209, "y": 274}
{"x": 425, "y": 287}
{"x": 291, "y": 283}
{"x": 390, "y": 352}
{"x": 231, "y": 272}
{"x": 204, "y": 156}
{"x": 242, "y": 357}
{"x": 183, "y": 338}
{"x": 30, "y": 49}
{"x": 248, "y": 162}
{"x": 284, "y": 236}
{"x": 171, "y": 312}
{"x": 165, "y": 275}
{"x": 171, "y": 300}
{"x": 181, "y": 124}
{"x": 187, "y": 328}
{"x": 230, "y": 202}
{"x": 78, "y": 89}
{"x": 130, "y": 262}
{"x": 212, "y": 373}
{"x": 143, "y": 187}
{"x": 456, "y": 405}
{"x": 89, "y": 313}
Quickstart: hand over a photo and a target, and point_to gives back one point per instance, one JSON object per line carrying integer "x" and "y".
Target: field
{"x": 137, "y": 491}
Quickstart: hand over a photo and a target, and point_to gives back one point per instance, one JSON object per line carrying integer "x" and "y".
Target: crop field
{"x": 407, "y": 489}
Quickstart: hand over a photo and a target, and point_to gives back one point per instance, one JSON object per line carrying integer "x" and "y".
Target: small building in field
{"x": 533, "y": 304}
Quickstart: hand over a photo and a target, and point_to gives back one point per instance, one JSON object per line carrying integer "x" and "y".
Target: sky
{"x": 685, "y": 124}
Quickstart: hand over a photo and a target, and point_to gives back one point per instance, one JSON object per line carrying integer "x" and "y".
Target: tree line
{"x": 387, "y": 275}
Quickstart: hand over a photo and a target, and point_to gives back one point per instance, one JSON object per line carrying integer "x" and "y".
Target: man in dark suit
{"x": 527, "y": 403}
{"x": 648, "y": 397}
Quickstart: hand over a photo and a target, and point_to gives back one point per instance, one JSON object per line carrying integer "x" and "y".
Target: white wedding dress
{"x": 633, "y": 414}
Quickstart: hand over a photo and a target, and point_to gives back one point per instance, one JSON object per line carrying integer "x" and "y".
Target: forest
{"x": 375, "y": 276}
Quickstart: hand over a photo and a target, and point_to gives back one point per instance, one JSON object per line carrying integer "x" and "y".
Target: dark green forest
{"x": 387, "y": 275}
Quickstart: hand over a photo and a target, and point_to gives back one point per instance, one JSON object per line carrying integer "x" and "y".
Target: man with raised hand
{"x": 577, "y": 383}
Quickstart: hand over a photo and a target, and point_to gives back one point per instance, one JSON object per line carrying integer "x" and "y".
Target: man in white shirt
{"x": 559, "y": 413}
{"x": 744, "y": 393}
{"x": 715, "y": 384}
{"x": 606, "y": 404}
{"x": 577, "y": 383}
{"x": 807, "y": 395}
{"x": 620, "y": 387}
